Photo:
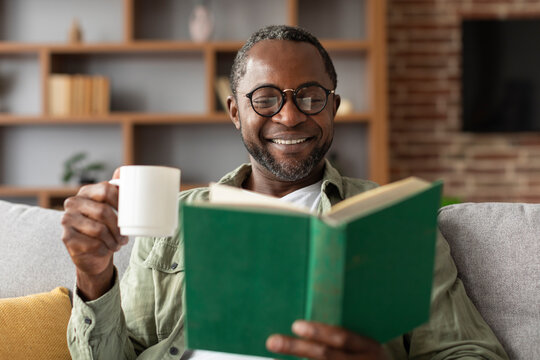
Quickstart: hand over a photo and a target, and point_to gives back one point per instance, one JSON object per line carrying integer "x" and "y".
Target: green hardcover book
{"x": 255, "y": 264}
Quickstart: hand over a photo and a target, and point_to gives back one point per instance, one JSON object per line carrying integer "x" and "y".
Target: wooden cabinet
{"x": 163, "y": 108}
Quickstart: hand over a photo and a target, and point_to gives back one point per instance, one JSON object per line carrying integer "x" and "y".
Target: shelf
{"x": 115, "y": 118}
{"x": 59, "y": 191}
{"x": 144, "y": 119}
{"x": 157, "y": 46}
{"x": 54, "y": 196}
{"x": 9, "y": 120}
{"x": 142, "y": 46}
{"x": 212, "y": 118}
{"x": 13, "y": 48}
{"x": 47, "y": 197}
{"x": 348, "y": 45}
{"x": 163, "y": 106}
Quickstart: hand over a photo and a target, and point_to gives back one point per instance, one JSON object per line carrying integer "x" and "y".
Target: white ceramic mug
{"x": 148, "y": 200}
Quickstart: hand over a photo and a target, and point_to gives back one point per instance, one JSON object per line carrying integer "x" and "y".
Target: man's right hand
{"x": 91, "y": 236}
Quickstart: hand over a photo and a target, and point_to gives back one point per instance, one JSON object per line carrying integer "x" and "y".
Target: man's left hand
{"x": 320, "y": 341}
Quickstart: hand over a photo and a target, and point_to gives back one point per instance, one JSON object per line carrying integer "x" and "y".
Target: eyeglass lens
{"x": 267, "y": 101}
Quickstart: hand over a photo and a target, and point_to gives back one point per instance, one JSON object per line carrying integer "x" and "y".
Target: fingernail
{"x": 124, "y": 240}
{"x": 301, "y": 327}
{"x": 274, "y": 343}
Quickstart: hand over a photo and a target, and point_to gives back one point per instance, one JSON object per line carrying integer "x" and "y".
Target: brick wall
{"x": 425, "y": 105}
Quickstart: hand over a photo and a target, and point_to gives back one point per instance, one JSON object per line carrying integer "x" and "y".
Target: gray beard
{"x": 291, "y": 170}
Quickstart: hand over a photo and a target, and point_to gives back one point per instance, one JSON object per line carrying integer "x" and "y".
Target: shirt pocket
{"x": 166, "y": 255}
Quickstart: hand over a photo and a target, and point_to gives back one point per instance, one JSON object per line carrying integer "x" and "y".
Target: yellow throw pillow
{"x": 34, "y": 326}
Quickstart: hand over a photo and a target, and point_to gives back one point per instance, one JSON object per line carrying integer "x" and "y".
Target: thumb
{"x": 116, "y": 174}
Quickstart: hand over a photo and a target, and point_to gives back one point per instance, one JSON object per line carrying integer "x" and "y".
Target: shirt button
{"x": 88, "y": 321}
{"x": 174, "y": 266}
{"x": 173, "y": 351}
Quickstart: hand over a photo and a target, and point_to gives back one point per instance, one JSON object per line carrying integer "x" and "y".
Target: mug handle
{"x": 115, "y": 182}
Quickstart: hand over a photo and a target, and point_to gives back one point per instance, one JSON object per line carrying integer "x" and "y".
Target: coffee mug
{"x": 148, "y": 200}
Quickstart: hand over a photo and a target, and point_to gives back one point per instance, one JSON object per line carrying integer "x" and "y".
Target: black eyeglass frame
{"x": 249, "y": 95}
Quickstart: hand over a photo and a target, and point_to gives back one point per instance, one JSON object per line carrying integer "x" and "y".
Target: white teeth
{"x": 288, "y": 142}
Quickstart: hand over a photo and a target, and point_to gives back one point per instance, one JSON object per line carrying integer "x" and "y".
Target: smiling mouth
{"x": 289, "y": 141}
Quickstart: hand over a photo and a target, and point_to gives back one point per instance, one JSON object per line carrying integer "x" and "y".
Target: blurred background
{"x": 432, "y": 88}
{"x": 464, "y": 95}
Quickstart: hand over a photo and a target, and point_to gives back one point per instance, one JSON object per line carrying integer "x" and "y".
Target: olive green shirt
{"x": 142, "y": 316}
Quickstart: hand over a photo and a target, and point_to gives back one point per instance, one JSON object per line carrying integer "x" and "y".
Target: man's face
{"x": 290, "y": 144}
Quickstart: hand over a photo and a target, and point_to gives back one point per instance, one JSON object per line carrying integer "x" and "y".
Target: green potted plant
{"x": 75, "y": 167}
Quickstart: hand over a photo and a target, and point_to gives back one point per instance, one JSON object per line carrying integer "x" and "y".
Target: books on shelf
{"x": 78, "y": 95}
{"x": 254, "y": 264}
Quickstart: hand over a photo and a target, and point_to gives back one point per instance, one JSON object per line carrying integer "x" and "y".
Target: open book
{"x": 254, "y": 264}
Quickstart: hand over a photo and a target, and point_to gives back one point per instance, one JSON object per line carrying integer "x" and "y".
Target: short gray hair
{"x": 278, "y": 32}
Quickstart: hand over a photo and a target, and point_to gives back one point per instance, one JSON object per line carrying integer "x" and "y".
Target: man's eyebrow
{"x": 310, "y": 83}
{"x": 264, "y": 84}
{"x": 274, "y": 85}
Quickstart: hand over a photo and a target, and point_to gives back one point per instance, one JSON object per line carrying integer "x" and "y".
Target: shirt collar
{"x": 237, "y": 176}
{"x": 331, "y": 178}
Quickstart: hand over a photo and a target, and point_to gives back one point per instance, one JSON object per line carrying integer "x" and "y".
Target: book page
{"x": 230, "y": 195}
{"x": 215, "y": 355}
{"x": 363, "y": 203}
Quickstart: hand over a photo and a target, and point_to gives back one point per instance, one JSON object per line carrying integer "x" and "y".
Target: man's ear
{"x": 232, "y": 107}
{"x": 337, "y": 102}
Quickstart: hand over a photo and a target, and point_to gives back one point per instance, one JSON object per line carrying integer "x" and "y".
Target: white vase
{"x": 201, "y": 23}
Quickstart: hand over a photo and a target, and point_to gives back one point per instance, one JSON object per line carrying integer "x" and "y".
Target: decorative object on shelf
{"x": 75, "y": 32}
{"x": 223, "y": 90}
{"x": 201, "y": 22}
{"x": 85, "y": 173}
{"x": 78, "y": 95}
{"x": 345, "y": 108}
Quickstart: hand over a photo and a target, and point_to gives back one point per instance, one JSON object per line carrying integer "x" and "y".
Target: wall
{"x": 425, "y": 106}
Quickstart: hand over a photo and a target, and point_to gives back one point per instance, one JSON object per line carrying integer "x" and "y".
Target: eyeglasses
{"x": 268, "y": 100}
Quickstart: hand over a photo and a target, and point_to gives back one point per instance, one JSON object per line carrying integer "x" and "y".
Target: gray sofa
{"x": 496, "y": 248}
{"x": 33, "y": 258}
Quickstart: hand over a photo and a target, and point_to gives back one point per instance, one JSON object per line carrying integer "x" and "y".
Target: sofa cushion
{"x": 33, "y": 256}
{"x": 496, "y": 248}
{"x": 34, "y": 326}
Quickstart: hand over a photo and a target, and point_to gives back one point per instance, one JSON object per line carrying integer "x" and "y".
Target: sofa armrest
{"x": 496, "y": 248}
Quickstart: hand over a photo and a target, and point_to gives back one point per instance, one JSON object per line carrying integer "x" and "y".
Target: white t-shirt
{"x": 308, "y": 197}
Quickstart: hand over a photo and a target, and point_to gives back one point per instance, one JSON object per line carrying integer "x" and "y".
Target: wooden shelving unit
{"x": 58, "y": 57}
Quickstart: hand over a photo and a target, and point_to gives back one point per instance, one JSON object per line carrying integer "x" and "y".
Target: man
{"x": 283, "y": 104}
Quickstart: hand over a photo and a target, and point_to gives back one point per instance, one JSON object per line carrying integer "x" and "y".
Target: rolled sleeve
{"x": 97, "y": 329}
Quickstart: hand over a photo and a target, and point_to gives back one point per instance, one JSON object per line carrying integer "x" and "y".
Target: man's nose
{"x": 289, "y": 115}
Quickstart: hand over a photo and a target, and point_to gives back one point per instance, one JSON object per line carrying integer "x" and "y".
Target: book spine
{"x": 326, "y": 269}
{"x": 87, "y": 95}
{"x": 105, "y": 100}
{"x": 67, "y": 95}
{"x": 59, "y": 96}
{"x": 53, "y": 108}
{"x": 95, "y": 96}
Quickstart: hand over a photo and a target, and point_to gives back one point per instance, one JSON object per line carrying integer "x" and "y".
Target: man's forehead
{"x": 284, "y": 49}
{"x": 276, "y": 58}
